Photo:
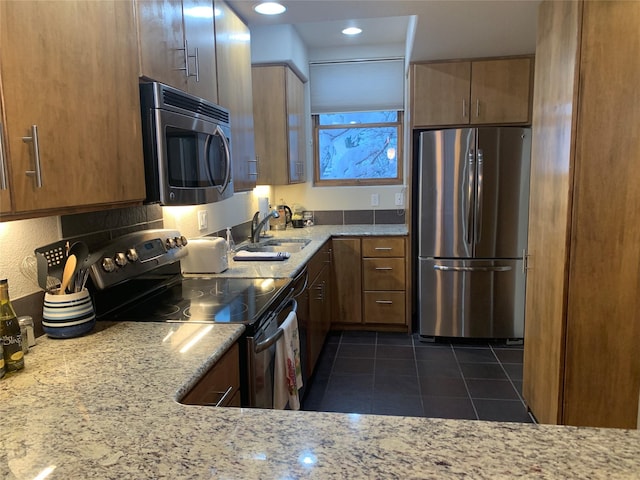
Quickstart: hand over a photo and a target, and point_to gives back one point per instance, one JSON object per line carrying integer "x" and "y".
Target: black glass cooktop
{"x": 184, "y": 299}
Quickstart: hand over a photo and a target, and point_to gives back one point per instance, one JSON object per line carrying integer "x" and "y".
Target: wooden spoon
{"x": 68, "y": 273}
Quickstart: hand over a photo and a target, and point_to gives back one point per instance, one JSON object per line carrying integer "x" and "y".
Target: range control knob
{"x": 178, "y": 241}
{"x": 120, "y": 259}
{"x": 171, "y": 243}
{"x": 132, "y": 255}
{"x": 108, "y": 265}
{"x": 184, "y": 240}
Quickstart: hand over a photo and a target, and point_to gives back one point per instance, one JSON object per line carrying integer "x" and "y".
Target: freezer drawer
{"x": 471, "y": 298}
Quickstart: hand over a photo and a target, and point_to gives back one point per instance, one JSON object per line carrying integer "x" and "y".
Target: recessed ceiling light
{"x": 269, "y": 8}
{"x": 352, "y": 31}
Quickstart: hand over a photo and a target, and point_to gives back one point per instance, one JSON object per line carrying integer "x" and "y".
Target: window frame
{"x": 355, "y": 182}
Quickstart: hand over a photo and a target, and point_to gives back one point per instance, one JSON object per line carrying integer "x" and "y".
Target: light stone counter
{"x": 318, "y": 235}
{"x": 104, "y": 406}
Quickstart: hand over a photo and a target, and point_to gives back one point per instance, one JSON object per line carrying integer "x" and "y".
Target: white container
{"x": 205, "y": 255}
{"x": 68, "y": 315}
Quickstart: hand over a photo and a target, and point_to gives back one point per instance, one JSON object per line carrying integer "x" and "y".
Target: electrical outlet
{"x": 399, "y": 199}
{"x": 375, "y": 200}
{"x": 203, "y": 219}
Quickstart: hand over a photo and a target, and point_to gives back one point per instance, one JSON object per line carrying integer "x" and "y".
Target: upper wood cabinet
{"x": 5, "y": 197}
{"x": 71, "y": 105}
{"x": 233, "y": 55}
{"x": 479, "y": 92}
{"x": 582, "y": 327}
{"x": 177, "y": 45}
{"x": 278, "y": 111}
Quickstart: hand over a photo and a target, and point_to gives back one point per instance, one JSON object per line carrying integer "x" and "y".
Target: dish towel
{"x": 288, "y": 371}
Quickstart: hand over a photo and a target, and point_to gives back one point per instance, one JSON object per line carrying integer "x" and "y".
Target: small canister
{"x": 28, "y": 333}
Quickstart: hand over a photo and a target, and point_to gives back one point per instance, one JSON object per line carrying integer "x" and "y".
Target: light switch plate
{"x": 375, "y": 200}
{"x": 399, "y": 199}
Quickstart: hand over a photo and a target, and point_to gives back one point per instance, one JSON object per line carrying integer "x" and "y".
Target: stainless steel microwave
{"x": 187, "y": 147}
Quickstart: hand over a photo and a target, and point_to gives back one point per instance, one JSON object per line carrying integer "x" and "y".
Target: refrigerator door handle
{"x": 445, "y": 268}
{"x": 470, "y": 188}
{"x": 477, "y": 228}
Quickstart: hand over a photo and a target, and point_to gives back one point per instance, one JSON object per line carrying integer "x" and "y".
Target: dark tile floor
{"x": 397, "y": 374}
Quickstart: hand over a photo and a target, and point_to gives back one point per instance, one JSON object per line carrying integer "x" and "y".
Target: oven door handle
{"x": 262, "y": 346}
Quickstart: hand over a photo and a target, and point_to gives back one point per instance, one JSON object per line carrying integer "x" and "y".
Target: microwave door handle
{"x": 225, "y": 142}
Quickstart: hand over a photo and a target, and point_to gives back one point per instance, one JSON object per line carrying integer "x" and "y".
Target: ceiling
{"x": 444, "y": 29}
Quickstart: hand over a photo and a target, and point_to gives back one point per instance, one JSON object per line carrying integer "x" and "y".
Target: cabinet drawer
{"x": 383, "y": 273}
{"x": 222, "y": 381}
{"x": 383, "y": 247}
{"x": 321, "y": 258}
{"x": 384, "y": 307}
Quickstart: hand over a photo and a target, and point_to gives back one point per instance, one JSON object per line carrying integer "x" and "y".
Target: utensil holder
{"x": 68, "y": 315}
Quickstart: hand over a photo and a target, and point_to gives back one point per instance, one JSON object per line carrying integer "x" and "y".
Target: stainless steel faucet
{"x": 256, "y": 227}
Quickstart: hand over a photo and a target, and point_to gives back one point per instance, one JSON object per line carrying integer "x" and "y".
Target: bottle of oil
{"x": 10, "y": 331}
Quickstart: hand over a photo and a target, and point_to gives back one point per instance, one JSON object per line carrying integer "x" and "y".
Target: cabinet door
{"x": 70, "y": 69}
{"x": 317, "y": 330}
{"x": 233, "y": 54}
{"x": 295, "y": 127}
{"x": 440, "y": 94}
{"x": 383, "y": 273}
{"x": 347, "y": 280}
{"x": 270, "y": 123}
{"x": 201, "y": 48}
{"x": 220, "y": 385}
{"x": 501, "y": 91}
{"x": 161, "y": 42}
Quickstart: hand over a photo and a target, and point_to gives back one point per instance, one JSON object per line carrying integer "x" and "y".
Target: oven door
{"x": 261, "y": 356}
{"x": 194, "y": 161}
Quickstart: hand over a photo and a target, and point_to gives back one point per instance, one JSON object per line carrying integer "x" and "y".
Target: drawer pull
{"x": 384, "y": 268}
{"x": 222, "y": 400}
{"x": 385, "y": 302}
{"x": 384, "y": 248}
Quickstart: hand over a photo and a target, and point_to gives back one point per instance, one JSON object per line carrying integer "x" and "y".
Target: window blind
{"x": 357, "y": 86}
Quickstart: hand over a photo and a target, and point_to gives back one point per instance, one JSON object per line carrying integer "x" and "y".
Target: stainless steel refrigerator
{"x": 473, "y": 201}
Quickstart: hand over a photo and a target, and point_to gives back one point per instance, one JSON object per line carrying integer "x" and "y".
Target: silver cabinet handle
{"x": 385, "y": 302}
{"x": 4, "y": 184}
{"x": 255, "y": 162}
{"x": 384, "y": 268}
{"x": 444, "y": 268}
{"x": 197, "y": 63}
{"x": 185, "y": 49}
{"x": 223, "y": 398}
{"x": 35, "y": 147}
{"x": 477, "y": 107}
{"x": 464, "y": 108}
{"x": 383, "y": 248}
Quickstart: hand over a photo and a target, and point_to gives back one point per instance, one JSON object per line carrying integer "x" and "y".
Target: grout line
{"x": 464, "y": 380}
{"x": 509, "y": 378}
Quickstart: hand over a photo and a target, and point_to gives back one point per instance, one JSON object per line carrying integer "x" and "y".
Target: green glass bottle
{"x": 10, "y": 331}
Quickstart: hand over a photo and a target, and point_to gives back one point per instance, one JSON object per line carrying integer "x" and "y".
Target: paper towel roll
{"x": 263, "y": 207}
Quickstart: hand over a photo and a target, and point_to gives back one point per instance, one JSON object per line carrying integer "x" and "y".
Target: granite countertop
{"x": 104, "y": 406}
{"x": 318, "y": 234}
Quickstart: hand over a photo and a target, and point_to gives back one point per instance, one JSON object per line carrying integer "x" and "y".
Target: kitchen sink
{"x": 291, "y": 245}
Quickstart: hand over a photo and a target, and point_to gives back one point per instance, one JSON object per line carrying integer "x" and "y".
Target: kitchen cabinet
{"x": 177, "y": 45}
{"x": 581, "y": 327}
{"x": 233, "y": 57}
{"x": 71, "y": 111}
{"x": 319, "y": 303}
{"x": 278, "y": 107}
{"x": 478, "y": 92}
{"x": 220, "y": 386}
{"x": 370, "y": 283}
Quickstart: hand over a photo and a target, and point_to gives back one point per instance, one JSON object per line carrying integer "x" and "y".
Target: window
{"x": 358, "y": 148}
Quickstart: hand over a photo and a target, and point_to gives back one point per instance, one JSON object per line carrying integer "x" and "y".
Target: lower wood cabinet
{"x": 369, "y": 283}
{"x": 220, "y": 386}
{"x": 318, "y": 302}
